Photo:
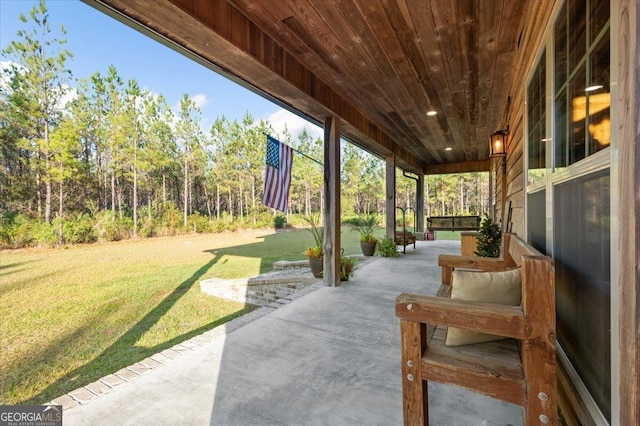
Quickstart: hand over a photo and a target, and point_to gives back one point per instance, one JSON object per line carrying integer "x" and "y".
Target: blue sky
{"x": 97, "y": 41}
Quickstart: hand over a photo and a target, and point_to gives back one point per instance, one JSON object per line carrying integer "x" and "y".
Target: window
{"x": 536, "y": 123}
{"x": 536, "y": 154}
{"x": 580, "y": 197}
{"x": 582, "y": 80}
{"x": 583, "y": 280}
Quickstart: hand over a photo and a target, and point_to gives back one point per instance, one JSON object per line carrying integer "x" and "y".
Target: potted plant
{"x": 366, "y": 225}
{"x": 387, "y": 247}
{"x": 489, "y": 239}
{"x": 347, "y": 266}
{"x": 315, "y": 253}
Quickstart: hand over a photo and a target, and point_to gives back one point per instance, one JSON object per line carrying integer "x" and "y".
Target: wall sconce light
{"x": 498, "y": 143}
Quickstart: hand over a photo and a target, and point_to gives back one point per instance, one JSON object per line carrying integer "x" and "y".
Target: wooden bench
{"x": 405, "y": 238}
{"x": 453, "y": 223}
{"x": 520, "y": 370}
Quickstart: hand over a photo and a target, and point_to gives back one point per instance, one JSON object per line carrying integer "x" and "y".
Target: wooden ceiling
{"x": 379, "y": 65}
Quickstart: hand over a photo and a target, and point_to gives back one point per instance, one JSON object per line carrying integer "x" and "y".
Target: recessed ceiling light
{"x": 431, "y": 113}
{"x": 448, "y": 148}
{"x": 593, "y": 88}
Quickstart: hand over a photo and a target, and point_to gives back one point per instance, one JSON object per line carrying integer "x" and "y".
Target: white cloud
{"x": 5, "y": 68}
{"x": 67, "y": 93}
{"x": 200, "y": 100}
{"x": 283, "y": 118}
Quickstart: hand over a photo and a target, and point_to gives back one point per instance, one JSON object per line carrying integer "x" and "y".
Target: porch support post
{"x": 391, "y": 195}
{"x": 420, "y": 203}
{"x": 331, "y": 247}
{"x": 625, "y": 163}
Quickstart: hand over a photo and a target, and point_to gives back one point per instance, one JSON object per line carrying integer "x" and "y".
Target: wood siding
{"x": 628, "y": 40}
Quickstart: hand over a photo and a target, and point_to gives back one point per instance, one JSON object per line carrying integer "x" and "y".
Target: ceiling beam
{"x": 463, "y": 167}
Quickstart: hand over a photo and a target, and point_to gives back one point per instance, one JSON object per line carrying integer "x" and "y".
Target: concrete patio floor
{"x": 329, "y": 357}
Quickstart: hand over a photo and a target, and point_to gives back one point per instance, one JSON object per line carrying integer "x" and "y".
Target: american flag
{"x": 278, "y": 174}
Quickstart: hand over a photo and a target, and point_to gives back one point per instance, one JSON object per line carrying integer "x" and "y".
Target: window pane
{"x": 599, "y": 11}
{"x": 560, "y": 37}
{"x": 536, "y": 220}
{"x": 583, "y": 283}
{"x": 578, "y": 115}
{"x": 536, "y": 116}
{"x": 560, "y": 134}
{"x": 577, "y": 32}
{"x": 600, "y": 99}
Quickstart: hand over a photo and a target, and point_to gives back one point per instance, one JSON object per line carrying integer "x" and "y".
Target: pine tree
{"x": 489, "y": 239}
{"x": 37, "y": 78}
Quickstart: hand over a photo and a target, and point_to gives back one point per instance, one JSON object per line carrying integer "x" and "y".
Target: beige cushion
{"x": 503, "y": 287}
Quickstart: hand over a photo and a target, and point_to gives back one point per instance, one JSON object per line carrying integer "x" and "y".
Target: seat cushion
{"x": 502, "y": 287}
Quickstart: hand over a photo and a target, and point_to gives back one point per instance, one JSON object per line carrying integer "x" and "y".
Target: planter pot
{"x": 316, "y": 264}
{"x": 368, "y": 249}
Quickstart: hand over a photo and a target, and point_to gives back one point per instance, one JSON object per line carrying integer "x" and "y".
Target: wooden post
{"x": 391, "y": 195}
{"x": 331, "y": 248}
{"x": 420, "y": 203}
{"x": 627, "y": 161}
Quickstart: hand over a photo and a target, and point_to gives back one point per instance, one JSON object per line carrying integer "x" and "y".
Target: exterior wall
{"x": 625, "y": 175}
{"x": 533, "y": 32}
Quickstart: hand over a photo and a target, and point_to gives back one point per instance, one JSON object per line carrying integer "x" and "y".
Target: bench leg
{"x": 415, "y": 399}
{"x": 539, "y": 364}
{"x": 447, "y": 275}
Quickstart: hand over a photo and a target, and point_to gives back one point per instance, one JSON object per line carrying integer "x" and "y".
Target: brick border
{"x": 92, "y": 391}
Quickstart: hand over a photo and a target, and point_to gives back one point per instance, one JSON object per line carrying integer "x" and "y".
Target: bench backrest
{"x": 454, "y": 223}
{"x": 516, "y": 248}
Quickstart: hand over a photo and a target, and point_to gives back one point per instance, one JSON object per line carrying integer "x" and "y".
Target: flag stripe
{"x": 277, "y": 179}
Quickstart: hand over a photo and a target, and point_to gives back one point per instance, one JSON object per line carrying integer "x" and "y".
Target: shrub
{"x": 147, "y": 227}
{"x": 16, "y": 230}
{"x": 171, "y": 218}
{"x": 279, "y": 221}
{"x": 110, "y": 228}
{"x": 197, "y": 223}
{"x": 386, "y": 247}
{"x": 79, "y": 230}
{"x": 44, "y": 234}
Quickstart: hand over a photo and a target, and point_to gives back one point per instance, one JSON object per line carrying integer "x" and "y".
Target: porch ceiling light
{"x": 593, "y": 88}
{"x": 498, "y": 143}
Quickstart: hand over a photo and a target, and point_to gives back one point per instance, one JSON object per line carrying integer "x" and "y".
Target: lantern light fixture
{"x": 498, "y": 143}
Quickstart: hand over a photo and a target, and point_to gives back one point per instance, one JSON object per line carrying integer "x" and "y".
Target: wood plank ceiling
{"x": 380, "y": 65}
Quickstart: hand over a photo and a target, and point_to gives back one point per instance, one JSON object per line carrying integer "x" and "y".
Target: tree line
{"x": 100, "y": 158}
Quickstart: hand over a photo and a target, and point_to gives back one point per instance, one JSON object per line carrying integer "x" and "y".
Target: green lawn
{"x": 71, "y": 316}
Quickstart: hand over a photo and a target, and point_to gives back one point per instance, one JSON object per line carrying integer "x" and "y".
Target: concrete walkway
{"x": 329, "y": 357}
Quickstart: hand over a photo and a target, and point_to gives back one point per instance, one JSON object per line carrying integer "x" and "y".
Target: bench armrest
{"x": 502, "y": 320}
{"x": 472, "y": 262}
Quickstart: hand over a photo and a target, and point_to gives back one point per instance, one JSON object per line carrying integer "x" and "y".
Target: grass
{"x": 71, "y": 316}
